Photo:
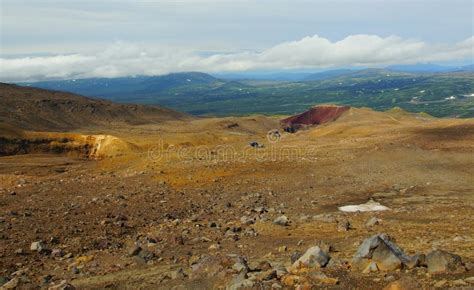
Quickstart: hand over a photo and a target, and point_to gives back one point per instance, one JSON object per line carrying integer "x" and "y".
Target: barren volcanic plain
{"x": 163, "y": 200}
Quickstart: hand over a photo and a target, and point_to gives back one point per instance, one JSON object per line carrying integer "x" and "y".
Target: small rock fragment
{"x": 371, "y": 268}
{"x": 343, "y": 226}
{"x": 373, "y": 221}
{"x": 281, "y": 221}
{"x": 38, "y": 246}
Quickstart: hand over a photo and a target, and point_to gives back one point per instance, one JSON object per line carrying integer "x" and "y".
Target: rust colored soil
{"x": 316, "y": 115}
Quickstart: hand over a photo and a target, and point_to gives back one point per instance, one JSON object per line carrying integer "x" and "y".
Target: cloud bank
{"x": 126, "y": 59}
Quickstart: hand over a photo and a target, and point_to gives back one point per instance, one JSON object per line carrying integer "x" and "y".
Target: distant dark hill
{"x": 122, "y": 88}
{"x": 45, "y": 110}
{"x": 276, "y": 76}
{"x": 420, "y": 68}
{"x": 466, "y": 68}
{"x": 376, "y": 72}
{"x": 328, "y": 74}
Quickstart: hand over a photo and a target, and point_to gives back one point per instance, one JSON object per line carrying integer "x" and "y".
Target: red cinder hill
{"x": 315, "y": 116}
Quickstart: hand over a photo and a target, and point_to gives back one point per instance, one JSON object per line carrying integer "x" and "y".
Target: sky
{"x": 43, "y": 39}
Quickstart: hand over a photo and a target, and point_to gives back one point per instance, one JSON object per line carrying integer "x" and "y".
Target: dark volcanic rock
{"x": 385, "y": 253}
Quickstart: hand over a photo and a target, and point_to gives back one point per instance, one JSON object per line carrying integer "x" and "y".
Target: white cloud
{"x": 123, "y": 59}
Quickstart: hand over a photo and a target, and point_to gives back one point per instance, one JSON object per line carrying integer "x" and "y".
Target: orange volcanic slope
{"x": 315, "y": 116}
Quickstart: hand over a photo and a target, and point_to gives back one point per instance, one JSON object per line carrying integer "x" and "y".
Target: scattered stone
{"x": 46, "y": 279}
{"x": 260, "y": 265}
{"x": 416, "y": 261}
{"x": 57, "y": 253}
{"x": 63, "y": 285}
{"x": 140, "y": 253}
{"x": 240, "y": 264}
{"x": 293, "y": 280}
{"x": 439, "y": 261}
{"x": 373, "y": 221}
{"x": 214, "y": 247}
{"x": 145, "y": 255}
{"x": 322, "y": 278}
{"x": 177, "y": 274}
{"x": 282, "y": 249}
{"x": 281, "y": 221}
{"x": 208, "y": 266}
{"x": 280, "y": 270}
{"x": 194, "y": 259}
{"x": 470, "y": 280}
{"x": 336, "y": 263}
{"x": 267, "y": 275}
{"x": 295, "y": 256}
{"x": 441, "y": 283}
{"x": 38, "y": 246}
{"x": 325, "y": 247}
{"x": 12, "y": 284}
{"x": 313, "y": 257}
{"x": 75, "y": 270}
{"x": 459, "y": 283}
{"x": 84, "y": 259}
{"x": 343, "y": 226}
{"x": 243, "y": 284}
{"x": 245, "y": 220}
{"x": 405, "y": 283}
{"x": 325, "y": 218}
{"x": 371, "y": 268}
{"x": 255, "y": 144}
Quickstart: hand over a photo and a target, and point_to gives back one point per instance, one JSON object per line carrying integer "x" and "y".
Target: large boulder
{"x": 385, "y": 253}
{"x": 439, "y": 261}
{"x": 385, "y": 258}
{"x": 313, "y": 257}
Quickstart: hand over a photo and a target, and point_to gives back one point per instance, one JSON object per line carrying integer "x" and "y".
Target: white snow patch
{"x": 368, "y": 206}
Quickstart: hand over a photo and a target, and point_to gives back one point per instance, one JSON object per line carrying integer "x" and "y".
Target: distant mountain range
{"x": 327, "y": 74}
{"x": 438, "y": 93}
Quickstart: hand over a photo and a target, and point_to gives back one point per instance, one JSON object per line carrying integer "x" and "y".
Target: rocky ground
{"x": 187, "y": 212}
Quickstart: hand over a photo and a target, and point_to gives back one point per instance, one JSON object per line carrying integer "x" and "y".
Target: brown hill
{"x": 44, "y": 110}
